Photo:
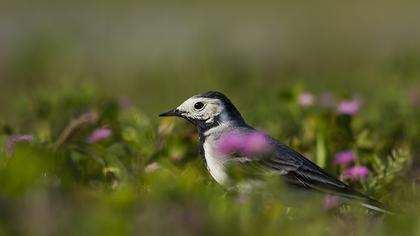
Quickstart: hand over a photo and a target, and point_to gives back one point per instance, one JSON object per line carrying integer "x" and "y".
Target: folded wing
{"x": 301, "y": 172}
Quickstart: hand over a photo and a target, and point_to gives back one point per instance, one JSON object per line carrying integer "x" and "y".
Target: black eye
{"x": 198, "y": 105}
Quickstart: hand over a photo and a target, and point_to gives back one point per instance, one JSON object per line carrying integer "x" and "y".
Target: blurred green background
{"x": 59, "y": 60}
{"x": 170, "y": 50}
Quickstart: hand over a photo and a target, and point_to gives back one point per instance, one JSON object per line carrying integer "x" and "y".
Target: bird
{"x": 226, "y": 139}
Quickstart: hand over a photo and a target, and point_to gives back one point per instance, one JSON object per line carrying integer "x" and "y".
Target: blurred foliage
{"x": 67, "y": 69}
{"x": 147, "y": 177}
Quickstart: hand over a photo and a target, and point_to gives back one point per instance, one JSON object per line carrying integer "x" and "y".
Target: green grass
{"x": 60, "y": 184}
{"x": 67, "y": 70}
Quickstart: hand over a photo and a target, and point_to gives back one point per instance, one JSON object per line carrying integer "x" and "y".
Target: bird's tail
{"x": 376, "y": 206}
{"x": 365, "y": 201}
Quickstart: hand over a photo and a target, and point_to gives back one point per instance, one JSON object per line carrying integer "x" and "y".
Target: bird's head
{"x": 207, "y": 110}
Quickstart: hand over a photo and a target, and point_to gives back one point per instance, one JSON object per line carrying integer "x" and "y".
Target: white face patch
{"x": 211, "y": 108}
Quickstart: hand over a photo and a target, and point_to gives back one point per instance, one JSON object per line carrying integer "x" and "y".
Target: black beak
{"x": 174, "y": 112}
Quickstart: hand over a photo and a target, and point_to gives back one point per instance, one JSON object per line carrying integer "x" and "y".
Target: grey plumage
{"x": 214, "y": 115}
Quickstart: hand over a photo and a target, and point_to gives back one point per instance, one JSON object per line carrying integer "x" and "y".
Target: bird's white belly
{"x": 215, "y": 164}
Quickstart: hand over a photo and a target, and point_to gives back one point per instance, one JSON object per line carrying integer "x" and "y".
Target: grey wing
{"x": 298, "y": 171}
{"x": 301, "y": 172}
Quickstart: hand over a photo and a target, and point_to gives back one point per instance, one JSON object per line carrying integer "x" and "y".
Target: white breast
{"x": 215, "y": 164}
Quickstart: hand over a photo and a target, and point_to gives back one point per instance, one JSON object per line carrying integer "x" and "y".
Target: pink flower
{"x": 99, "y": 135}
{"x": 254, "y": 143}
{"x": 152, "y": 167}
{"x": 349, "y": 107}
{"x": 231, "y": 142}
{"x": 355, "y": 173}
{"x": 330, "y": 202}
{"x": 17, "y": 138}
{"x": 344, "y": 157}
{"x": 306, "y": 99}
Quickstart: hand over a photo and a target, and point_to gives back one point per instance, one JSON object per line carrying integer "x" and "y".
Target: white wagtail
{"x": 225, "y": 138}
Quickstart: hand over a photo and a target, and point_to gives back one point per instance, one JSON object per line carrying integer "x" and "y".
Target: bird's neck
{"x": 215, "y": 130}
{"x": 218, "y": 129}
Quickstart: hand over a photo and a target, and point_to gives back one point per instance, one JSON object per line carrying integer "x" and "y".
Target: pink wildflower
{"x": 99, "y": 135}
{"x": 349, "y": 107}
{"x": 306, "y": 99}
{"x": 231, "y": 142}
{"x": 344, "y": 157}
{"x": 152, "y": 167}
{"x": 253, "y": 143}
{"x": 330, "y": 202}
{"x": 256, "y": 143}
{"x": 356, "y": 172}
